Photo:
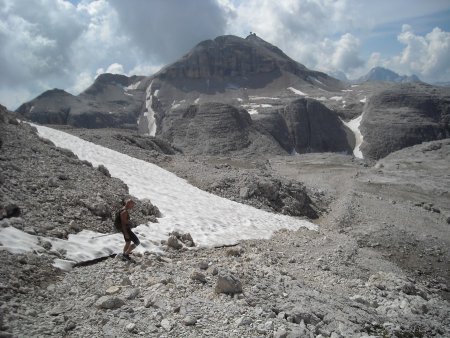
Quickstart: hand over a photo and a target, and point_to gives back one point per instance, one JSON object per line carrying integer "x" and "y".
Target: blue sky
{"x": 66, "y": 44}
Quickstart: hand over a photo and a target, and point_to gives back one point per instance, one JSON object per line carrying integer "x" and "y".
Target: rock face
{"x": 248, "y": 63}
{"x": 209, "y": 128}
{"x": 112, "y": 101}
{"x": 406, "y": 115}
{"x": 306, "y": 126}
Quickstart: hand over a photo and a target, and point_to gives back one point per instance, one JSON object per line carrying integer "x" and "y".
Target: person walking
{"x": 128, "y": 235}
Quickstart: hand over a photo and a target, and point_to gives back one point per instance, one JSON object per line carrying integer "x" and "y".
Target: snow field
{"x": 210, "y": 219}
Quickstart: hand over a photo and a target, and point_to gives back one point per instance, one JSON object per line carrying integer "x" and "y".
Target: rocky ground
{"x": 378, "y": 266}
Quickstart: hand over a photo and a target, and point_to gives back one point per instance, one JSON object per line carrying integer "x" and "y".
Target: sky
{"x": 210, "y": 219}
{"x": 65, "y": 44}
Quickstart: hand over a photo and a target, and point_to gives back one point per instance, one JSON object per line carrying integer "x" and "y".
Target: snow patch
{"x": 210, "y": 219}
{"x": 346, "y": 90}
{"x": 132, "y": 86}
{"x": 296, "y": 91}
{"x": 251, "y": 107}
{"x": 149, "y": 115}
{"x": 156, "y": 93}
{"x": 353, "y": 86}
{"x": 128, "y": 94}
{"x": 336, "y": 98}
{"x": 354, "y": 125}
{"x": 256, "y": 98}
{"x": 317, "y": 80}
{"x": 197, "y": 100}
{"x": 322, "y": 98}
{"x": 364, "y": 100}
{"x": 239, "y": 99}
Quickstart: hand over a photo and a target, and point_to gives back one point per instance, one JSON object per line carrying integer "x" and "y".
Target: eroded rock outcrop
{"x": 405, "y": 115}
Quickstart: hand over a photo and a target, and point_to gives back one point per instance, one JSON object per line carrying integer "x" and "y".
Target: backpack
{"x": 117, "y": 222}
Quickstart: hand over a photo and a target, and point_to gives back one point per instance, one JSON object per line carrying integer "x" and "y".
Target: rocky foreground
{"x": 378, "y": 266}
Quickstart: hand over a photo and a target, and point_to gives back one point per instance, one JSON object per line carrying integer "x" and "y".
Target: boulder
{"x": 109, "y": 303}
{"x": 228, "y": 284}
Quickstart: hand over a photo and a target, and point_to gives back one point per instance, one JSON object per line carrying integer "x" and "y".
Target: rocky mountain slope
{"x": 48, "y": 191}
{"x": 112, "y": 100}
{"x": 377, "y": 266}
{"x": 185, "y": 102}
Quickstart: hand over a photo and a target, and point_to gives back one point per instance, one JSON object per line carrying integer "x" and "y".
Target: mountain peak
{"x": 387, "y": 75}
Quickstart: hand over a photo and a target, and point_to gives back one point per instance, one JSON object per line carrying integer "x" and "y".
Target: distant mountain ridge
{"x": 387, "y": 75}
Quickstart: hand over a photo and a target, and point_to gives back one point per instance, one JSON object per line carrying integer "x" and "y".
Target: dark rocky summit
{"x": 230, "y": 62}
{"x": 403, "y": 116}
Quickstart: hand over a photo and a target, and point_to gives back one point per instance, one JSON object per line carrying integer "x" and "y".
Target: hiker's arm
{"x": 123, "y": 221}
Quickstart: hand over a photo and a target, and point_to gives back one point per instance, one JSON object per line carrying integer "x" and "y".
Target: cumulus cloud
{"x": 424, "y": 55}
{"x": 302, "y": 29}
{"x": 165, "y": 30}
{"x": 427, "y": 56}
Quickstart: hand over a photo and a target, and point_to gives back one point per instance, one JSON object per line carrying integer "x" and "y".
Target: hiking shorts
{"x": 132, "y": 237}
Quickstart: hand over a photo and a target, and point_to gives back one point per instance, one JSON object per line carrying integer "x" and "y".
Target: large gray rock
{"x": 227, "y": 283}
{"x": 403, "y": 116}
{"x": 210, "y": 128}
{"x": 306, "y": 125}
{"x": 107, "y": 302}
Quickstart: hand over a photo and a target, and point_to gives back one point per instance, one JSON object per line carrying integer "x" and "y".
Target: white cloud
{"x": 302, "y": 29}
{"x": 428, "y": 55}
{"x": 82, "y": 82}
{"x": 115, "y": 68}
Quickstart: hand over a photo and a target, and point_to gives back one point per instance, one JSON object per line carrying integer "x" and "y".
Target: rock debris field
{"x": 377, "y": 264}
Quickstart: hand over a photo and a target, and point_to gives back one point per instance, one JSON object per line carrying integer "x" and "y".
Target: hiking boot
{"x": 127, "y": 257}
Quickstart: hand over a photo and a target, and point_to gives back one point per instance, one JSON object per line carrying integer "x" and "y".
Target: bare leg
{"x": 130, "y": 248}
{"x": 126, "y": 247}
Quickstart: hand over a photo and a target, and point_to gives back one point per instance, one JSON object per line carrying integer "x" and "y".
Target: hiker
{"x": 126, "y": 229}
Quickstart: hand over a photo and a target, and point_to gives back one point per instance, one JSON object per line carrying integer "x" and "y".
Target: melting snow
{"x": 133, "y": 86}
{"x": 149, "y": 115}
{"x": 255, "y": 98}
{"x": 354, "y": 125}
{"x": 336, "y": 98}
{"x": 296, "y": 91}
{"x": 317, "y": 80}
{"x": 210, "y": 219}
{"x": 322, "y": 98}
